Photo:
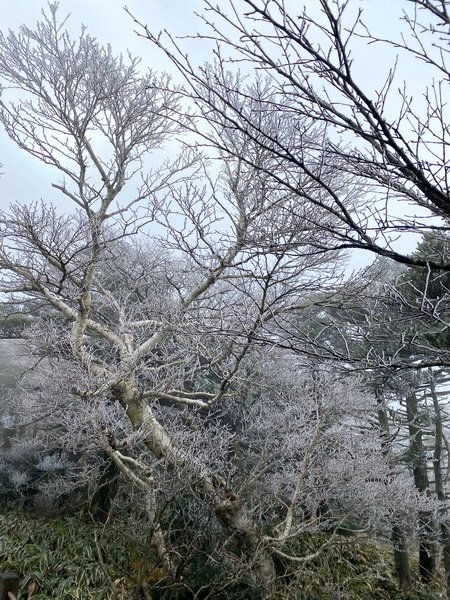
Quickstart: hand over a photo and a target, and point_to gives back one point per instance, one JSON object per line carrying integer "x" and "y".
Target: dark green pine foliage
{"x": 426, "y": 292}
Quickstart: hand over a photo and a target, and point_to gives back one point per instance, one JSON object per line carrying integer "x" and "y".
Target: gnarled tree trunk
{"x": 399, "y": 547}
{"x": 228, "y": 507}
{"x": 439, "y": 480}
{"x": 427, "y": 561}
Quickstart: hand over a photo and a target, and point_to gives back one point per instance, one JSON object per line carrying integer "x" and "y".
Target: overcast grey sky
{"x": 23, "y": 176}
{"x": 25, "y": 179}
{"x": 107, "y": 20}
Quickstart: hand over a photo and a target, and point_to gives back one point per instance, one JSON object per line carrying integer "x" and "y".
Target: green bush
{"x": 70, "y": 558}
{"x": 59, "y": 558}
{"x": 346, "y": 570}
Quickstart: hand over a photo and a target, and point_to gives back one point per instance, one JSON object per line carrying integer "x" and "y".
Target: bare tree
{"x": 389, "y": 146}
{"x": 158, "y": 287}
{"x": 301, "y": 460}
{"x": 131, "y": 321}
{"x": 393, "y": 146}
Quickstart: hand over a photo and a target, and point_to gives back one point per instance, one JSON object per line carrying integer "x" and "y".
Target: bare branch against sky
{"x": 110, "y": 24}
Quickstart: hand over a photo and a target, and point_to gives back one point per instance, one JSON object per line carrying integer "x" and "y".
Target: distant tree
{"x": 13, "y": 322}
{"x": 425, "y": 293}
